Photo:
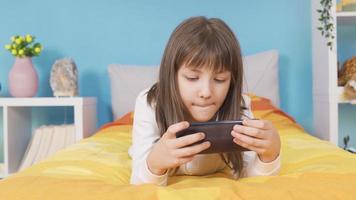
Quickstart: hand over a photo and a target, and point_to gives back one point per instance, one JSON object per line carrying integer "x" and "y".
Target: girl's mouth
{"x": 203, "y": 105}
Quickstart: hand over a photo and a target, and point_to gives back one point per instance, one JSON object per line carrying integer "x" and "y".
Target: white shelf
{"x": 47, "y": 101}
{"x": 345, "y": 14}
{"x": 327, "y": 96}
{"x": 17, "y": 123}
{"x": 346, "y": 17}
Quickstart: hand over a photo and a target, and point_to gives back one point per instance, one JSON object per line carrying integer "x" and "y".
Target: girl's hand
{"x": 259, "y": 136}
{"x": 170, "y": 152}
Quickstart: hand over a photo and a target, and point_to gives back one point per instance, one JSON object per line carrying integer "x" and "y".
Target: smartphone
{"x": 218, "y": 133}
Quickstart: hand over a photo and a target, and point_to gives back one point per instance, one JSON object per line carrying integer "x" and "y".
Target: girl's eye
{"x": 191, "y": 78}
{"x": 220, "y": 80}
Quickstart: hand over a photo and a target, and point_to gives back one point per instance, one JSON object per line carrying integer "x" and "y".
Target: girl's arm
{"x": 261, "y": 137}
{"x": 153, "y": 155}
{"x": 144, "y": 134}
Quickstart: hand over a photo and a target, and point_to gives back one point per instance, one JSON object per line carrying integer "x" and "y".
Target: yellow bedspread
{"x": 99, "y": 168}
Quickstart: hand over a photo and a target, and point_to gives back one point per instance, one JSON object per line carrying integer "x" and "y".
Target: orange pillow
{"x": 127, "y": 119}
{"x": 262, "y": 107}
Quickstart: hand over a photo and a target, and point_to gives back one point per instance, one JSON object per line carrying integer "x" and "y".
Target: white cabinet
{"x": 326, "y": 93}
{"x": 16, "y": 124}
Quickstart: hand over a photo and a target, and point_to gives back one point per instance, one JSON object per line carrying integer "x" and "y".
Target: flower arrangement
{"x": 24, "y": 46}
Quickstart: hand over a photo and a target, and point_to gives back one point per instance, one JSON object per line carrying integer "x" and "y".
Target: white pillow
{"x": 126, "y": 81}
{"x": 261, "y": 75}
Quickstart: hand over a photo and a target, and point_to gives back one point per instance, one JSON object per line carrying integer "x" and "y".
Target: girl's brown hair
{"x": 199, "y": 42}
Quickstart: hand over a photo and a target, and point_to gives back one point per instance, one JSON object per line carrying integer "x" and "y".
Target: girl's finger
{"x": 192, "y": 150}
{"x": 173, "y": 129}
{"x": 188, "y": 140}
{"x": 251, "y": 131}
{"x": 250, "y": 141}
{"x": 260, "y": 124}
{"x": 252, "y": 148}
{"x": 183, "y": 160}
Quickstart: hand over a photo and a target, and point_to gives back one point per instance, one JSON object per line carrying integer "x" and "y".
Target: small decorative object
{"x": 327, "y": 22}
{"x": 347, "y": 71}
{"x": 350, "y": 88}
{"x": 64, "y": 78}
{"x": 23, "y": 78}
{"x": 345, "y": 5}
{"x": 346, "y": 142}
{"x": 339, "y": 5}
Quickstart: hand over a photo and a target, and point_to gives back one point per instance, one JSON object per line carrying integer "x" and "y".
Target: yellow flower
{"x": 37, "y": 50}
{"x": 18, "y": 40}
{"x": 21, "y": 46}
{"x": 29, "y": 38}
{"x": 21, "y": 52}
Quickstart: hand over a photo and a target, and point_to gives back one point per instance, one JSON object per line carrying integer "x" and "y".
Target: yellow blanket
{"x": 99, "y": 168}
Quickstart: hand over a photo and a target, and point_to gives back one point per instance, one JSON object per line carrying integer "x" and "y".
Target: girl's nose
{"x": 205, "y": 91}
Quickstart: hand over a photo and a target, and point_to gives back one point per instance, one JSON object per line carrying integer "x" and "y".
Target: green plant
{"x": 327, "y": 22}
{"x": 24, "y": 46}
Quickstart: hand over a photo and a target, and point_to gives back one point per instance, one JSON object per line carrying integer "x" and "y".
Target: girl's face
{"x": 202, "y": 91}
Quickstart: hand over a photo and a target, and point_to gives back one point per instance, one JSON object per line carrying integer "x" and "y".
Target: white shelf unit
{"x": 17, "y": 123}
{"x": 345, "y": 17}
{"x": 326, "y": 94}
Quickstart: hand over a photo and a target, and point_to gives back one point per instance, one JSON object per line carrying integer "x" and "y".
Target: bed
{"x": 99, "y": 167}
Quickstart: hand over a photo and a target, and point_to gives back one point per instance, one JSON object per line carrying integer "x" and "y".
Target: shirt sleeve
{"x": 248, "y": 112}
{"x": 144, "y": 134}
{"x": 253, "y": 166}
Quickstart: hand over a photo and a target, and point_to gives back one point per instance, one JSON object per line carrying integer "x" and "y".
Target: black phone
{"x": 218, "y": 133}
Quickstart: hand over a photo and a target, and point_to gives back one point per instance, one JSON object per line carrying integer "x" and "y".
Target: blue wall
{"x": 98, "y": 33}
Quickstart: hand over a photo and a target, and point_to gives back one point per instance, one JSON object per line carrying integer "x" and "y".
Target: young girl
{"x": 200, "y": 80}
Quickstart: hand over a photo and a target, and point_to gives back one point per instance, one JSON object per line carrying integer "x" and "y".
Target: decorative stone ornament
{"x": 350, "y": 88}
{"x": 64, "y": 78}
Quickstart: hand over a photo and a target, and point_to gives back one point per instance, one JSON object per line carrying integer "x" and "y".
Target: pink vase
{"x": 23, "y": 78}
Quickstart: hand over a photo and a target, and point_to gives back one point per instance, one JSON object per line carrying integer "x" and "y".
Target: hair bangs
{"x": 212, "y": 55}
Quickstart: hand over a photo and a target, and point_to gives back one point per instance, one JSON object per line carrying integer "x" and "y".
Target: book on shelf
{"x": 47, "y": 140}
{"x": 2, "y": 170}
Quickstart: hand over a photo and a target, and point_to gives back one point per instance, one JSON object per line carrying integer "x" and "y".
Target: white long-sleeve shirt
{"x": 145, "y": 133}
